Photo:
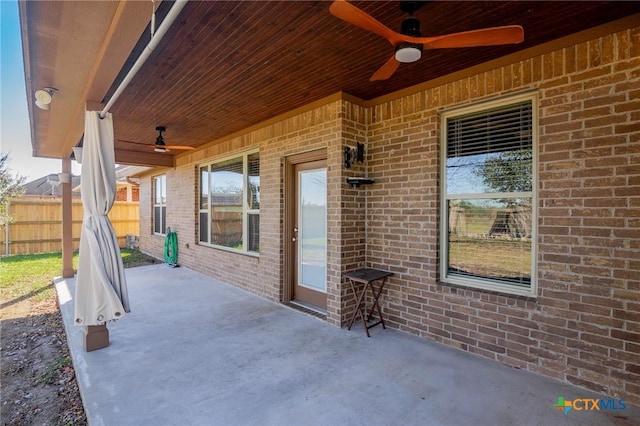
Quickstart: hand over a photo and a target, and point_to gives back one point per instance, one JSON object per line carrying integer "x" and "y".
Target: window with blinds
{"x": 230, "y": 203}
{"x": 160, "y": 205}
{"x": 253, "y": 202}
{"x": 488, "y": 213}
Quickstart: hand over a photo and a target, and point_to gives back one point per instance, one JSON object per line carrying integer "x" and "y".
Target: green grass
{"x": 31, "y": 275}
{"x": 479, "y": 225}
{"x": 491, "y": 257}
{"x": 131, "y": 258}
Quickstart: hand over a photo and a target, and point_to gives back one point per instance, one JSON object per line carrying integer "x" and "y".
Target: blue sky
{"x": 15, "y": 136}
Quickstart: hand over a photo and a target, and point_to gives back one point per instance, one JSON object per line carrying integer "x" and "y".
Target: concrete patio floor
{"x": 195, "y": 351}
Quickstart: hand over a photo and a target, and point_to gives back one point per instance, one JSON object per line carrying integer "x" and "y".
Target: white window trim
{"x": 486, "y": 284}
{"x": 246, "y": 211}
{"x": 155, "y": 184}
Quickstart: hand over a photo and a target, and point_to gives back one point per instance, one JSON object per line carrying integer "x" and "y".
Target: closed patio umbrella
{"x": 101, "y": 288}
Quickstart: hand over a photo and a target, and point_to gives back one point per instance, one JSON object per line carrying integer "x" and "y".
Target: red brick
{"x": 491, "y": 347}
{"x": 601, "y": 340}
{"x": 592, "y": 309}
{"x": 623, "y": 335}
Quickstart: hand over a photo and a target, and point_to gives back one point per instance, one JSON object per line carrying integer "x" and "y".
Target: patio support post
{"x": 67, "y": 220}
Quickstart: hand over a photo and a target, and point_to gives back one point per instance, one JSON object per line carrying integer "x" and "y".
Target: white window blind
{"x": 506, "y": 128}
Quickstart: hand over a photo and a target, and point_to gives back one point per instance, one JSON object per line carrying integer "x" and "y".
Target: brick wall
{"x": 351, "y": 205}
{"x": 584, "y": 325}
{"x": 327, "y": 127}
{"x": 121, "y": 194}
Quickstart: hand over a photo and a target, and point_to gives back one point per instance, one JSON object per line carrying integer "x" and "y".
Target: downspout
{"x": 366, "y": 191}
{"x": 155, "y": 39}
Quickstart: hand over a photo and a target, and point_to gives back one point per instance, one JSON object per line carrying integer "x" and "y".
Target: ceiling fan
{"x": 160, "y": 145}
{"x": 409, "y": 43}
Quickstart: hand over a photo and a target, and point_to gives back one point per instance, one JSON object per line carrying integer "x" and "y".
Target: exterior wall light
{"x": 43, "y": 97}
{"x": 351, "y": 155}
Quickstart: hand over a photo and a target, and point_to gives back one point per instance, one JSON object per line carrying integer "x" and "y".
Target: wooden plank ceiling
{"x": 227, "y": 65}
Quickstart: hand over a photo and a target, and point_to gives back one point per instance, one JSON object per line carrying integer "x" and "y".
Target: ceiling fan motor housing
{"x": 409, "y": 52}
{"x": 411, "y": 27}
{"x": 159, "y": 138}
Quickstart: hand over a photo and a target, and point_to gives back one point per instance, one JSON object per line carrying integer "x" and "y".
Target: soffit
{"x": 77, "y": 47}
{"x": 226, "y": 66}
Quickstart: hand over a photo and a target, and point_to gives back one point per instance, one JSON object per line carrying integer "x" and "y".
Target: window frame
{"x": 163, "y": 225}
{"x": 246, "y": 210}
{"x": 494, "y": 285}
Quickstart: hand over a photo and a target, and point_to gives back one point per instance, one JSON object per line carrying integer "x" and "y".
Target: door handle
{"x": 294, "y": 239}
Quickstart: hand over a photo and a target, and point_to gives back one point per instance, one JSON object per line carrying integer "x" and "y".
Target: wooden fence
{"x": 37, "y": 225}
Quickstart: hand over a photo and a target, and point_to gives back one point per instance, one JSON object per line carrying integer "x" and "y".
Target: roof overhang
{"x": 78, "y": 48}
{"x": 228, "y": 66}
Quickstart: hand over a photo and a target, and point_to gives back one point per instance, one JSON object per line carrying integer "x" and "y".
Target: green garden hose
{"x": 171, "y": 248}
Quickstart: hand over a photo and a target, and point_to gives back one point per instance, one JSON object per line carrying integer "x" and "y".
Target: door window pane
{"x": 312, "y": 232}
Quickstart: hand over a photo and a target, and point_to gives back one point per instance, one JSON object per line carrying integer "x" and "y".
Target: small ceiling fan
{"x": 409, "y": 43}
{"x": 160, "y": 145}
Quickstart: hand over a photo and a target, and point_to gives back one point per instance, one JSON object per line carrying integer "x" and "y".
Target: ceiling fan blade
{"x": 134, "y": 143}
{"x": 351, "y": 14}
{"x": 187, "y": 148}
{"x": 153, "y": 145}
{"x": 386, "y": 70}
{"x": 510, "y": 34}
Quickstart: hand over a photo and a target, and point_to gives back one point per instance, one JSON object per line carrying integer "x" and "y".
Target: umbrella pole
{"x": 96, "y": 337}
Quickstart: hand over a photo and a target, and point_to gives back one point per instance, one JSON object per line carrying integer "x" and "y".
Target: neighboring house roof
{"x": 125, "y": 172}
{"x": 49, "y": 186}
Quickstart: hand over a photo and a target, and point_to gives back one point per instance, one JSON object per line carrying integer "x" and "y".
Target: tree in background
{"x": 10, "y": 187}
{"x": 508, "y": 172}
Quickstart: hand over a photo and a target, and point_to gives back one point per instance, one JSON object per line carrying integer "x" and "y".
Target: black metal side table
{"x": 367, "y": 276}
